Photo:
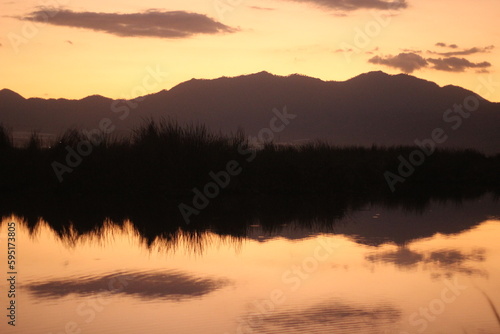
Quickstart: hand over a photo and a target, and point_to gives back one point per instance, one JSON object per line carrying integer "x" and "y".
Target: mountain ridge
{"x": 371, "y": 108}
{"x": 379, "y": 74}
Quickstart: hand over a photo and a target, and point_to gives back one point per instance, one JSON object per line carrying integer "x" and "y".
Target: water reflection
{"x": 170, "y": 285}
{"x": 372, "y": 222}
{"x": 380, "y": 268}
{"x": 449, "y": 260}
{"x": 327, "y": 315}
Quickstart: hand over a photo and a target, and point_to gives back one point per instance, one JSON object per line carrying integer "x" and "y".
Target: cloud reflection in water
{"x": 331, "y": 316}
{"x": 170, "y": 285}
{"x": 448, "y": 260}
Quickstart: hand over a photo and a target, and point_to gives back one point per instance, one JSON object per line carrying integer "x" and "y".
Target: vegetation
{"x": 162, "y": 162}
{"x": 167, "y": 159}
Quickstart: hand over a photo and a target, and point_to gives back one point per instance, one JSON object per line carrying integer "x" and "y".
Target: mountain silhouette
{"x": 372, "y": 108}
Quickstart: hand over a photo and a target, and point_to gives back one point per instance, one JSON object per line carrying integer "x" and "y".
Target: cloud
{"x": 350, "y": 5}
{"x": 343, "y": 50}
{"x": 261, "y": 8}
{"x": 145, "y": 285}
{"x": 465, "y": 52}
{"x": 407, "y": 62}
{"x": 444, "y": 45}
{"x": 411, "y": 51}
{"x": 370, "y": 52}
{"x": 483, "y": 70}
{"x": 69, "y": 42}
{"x": 152, "y": 23}
{"x": 454, "y": 64}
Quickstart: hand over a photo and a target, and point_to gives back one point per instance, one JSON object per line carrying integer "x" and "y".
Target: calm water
{"x": 377, "y": 270}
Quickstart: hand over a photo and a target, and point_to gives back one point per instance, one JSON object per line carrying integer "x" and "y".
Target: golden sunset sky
{"x": 76, "y": 48}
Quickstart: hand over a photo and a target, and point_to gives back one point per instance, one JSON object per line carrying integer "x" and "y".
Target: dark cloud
{"x": 349, "y": 5}
{"x": 145, "y": 285}
{"x": 407, "y": 62}
{"x": 454, "y": 64}
{"x": 465, "y": 52}
{"x": 152, "y": 23}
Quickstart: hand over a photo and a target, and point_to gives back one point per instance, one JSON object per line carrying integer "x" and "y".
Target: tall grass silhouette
{"x": 166, "y": 159}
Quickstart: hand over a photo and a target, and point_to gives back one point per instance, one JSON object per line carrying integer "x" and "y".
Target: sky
{"x": 123, "y": 49}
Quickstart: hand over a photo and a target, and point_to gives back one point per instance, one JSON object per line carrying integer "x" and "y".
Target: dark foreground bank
{"x": 167, "y": 177}
{"x": 165, "y": 159}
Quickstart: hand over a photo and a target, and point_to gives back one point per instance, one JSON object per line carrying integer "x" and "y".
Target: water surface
{"x": 376, "y": 270}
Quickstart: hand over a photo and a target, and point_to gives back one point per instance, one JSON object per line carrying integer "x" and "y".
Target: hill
{"x": 372, "y": 108}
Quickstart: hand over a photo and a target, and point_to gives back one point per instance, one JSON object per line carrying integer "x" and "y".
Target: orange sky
{"x": 77, "y": 48}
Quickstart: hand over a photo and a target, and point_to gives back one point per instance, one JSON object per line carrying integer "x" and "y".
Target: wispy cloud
{"x": 454, "y": 64}
{"x": 152, "y": 23}
{"x": 411, "y": 51}
{"x": 261, "y": 8}
{"x": 350, "y": 5}
{"x": 444, "y": 45}
{"x": 343, "y": 50}
{"x": 464, "y": 52}
{"x": 407, "y": 62}
{"x": 482, "y": 70}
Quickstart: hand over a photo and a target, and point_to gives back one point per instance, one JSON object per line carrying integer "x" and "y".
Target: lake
{"x": 376, "y": 269}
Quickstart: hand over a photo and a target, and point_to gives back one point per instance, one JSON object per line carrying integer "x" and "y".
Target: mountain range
{"x": 372, "y": 108}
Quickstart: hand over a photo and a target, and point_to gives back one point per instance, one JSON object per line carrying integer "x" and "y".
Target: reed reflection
{"x": 367, "y": 222}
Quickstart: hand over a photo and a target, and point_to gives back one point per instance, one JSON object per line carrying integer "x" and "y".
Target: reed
{"x": 164, "y": 158}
